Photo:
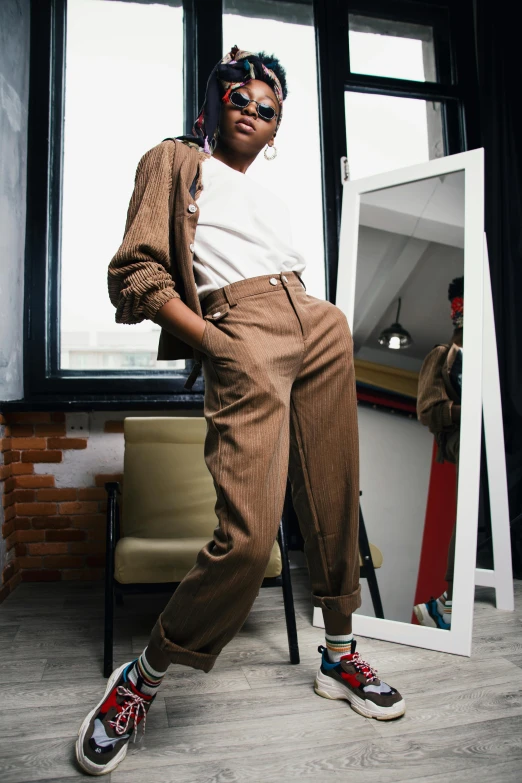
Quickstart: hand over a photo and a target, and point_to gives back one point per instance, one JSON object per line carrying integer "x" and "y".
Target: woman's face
{"x": 242, "y": 130}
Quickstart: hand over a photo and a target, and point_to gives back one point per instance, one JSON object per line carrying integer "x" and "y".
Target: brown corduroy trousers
{"x": 279, "y": 401}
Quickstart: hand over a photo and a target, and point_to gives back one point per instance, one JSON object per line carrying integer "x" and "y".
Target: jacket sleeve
{"x": 433, "y": 404}
{"x": 139, "y": 280}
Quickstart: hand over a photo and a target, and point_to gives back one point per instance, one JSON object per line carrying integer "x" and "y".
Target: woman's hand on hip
{"x": 178, "y": 319}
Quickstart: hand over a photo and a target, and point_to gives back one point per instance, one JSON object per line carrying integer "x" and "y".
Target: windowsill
{"x": 101, "y": 402}
{"x": 149, "y": 402}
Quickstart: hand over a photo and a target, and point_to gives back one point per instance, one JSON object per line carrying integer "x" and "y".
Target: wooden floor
{"x": 255, "y": 718}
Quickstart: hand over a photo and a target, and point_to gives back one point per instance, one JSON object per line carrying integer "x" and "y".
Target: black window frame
{"x": 452, "y": 89}
{"x": 43, "y": 379}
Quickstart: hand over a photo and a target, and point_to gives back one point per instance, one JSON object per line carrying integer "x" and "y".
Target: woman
{"x": 439, "y": 408}
{"x": 279, "y": 396}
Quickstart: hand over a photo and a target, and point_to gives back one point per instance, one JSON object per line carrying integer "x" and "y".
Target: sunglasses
{"x": 241, "y": 100}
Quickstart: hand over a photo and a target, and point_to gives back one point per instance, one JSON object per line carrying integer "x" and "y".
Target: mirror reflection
{"x": 408, "y": 344}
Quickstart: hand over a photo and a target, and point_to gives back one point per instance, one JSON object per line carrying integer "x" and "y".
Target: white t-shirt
{"x": 243, "y": 230}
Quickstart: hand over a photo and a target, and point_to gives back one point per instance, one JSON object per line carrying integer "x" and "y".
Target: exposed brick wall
{"x": 8, "y": 564}
{"x": 53, "y": 470}
{"x": 49, "y": 533}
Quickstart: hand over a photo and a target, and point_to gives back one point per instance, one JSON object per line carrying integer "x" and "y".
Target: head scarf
{"x": 456, "y": 297}
{"x": 234, "y": 70}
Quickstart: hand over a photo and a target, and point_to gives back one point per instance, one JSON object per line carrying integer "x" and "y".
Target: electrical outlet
{"x": 77, "y": 425}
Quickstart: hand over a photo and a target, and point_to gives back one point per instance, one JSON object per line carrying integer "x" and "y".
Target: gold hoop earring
{"x": 214, "y": 140}
{"x": 270, "y": 157}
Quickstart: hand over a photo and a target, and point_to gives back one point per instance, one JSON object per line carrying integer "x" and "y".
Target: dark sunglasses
{"x": 241, "y": 100}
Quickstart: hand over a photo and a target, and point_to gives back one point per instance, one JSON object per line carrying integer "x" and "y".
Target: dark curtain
{"x": 499, "y": 75}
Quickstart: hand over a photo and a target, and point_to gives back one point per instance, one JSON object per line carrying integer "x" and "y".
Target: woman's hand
{"x": 178, "y": 319}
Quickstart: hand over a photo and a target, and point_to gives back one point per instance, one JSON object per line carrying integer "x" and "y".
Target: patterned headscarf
{"x": 233, "y": 71}
{"x": 456, "y": 297}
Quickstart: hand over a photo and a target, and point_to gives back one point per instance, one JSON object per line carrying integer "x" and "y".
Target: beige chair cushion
{"x": 141, "y": 561}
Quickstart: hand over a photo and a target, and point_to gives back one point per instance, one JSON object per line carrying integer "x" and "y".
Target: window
{"x": 287, "y": 30}
{"x": 386, "y": 132}
{"x": 381, "y": 47}
{"x": 386, "y": 128}
{"x": 388, "y": 94}
{"x": 123, "y": 95}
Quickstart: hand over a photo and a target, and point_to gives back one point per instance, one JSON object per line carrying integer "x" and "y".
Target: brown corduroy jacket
{"x": 154, "y": 261}
{"x": 436, "y": 396}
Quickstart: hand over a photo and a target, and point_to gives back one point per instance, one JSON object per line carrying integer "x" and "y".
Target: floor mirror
{"x": 411, "y": 284}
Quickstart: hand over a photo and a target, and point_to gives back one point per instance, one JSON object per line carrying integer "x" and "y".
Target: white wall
{"x": 14, "y": 91}
{"x": 395, "y": 454}
{"x": 104, "y": 451}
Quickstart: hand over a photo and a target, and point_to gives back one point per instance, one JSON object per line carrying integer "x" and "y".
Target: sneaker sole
{"x": 424, "y": 617}
{"x": 86, "y": 764}
{"x": 331, "y": 689}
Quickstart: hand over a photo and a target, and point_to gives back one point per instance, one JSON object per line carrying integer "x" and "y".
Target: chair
{"x": 165, "y": 515}
{"x": 370, "y": 558}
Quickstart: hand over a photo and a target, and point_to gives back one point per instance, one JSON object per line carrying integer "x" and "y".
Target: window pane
{"x": 123, "y": 95}
{"x": 385, "y": 133}
{"x": 382, "y": 47}
{"x": 286, "y": 30}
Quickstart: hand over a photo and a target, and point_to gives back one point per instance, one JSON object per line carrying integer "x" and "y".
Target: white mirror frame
{"x": 500, "y": 577}
{"x": 458, "y": 639}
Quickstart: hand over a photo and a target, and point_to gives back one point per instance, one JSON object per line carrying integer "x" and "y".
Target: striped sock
{"x": 444, "y": 605}
{"x": 338, "y": 646}
{"x": 146, "y": 679}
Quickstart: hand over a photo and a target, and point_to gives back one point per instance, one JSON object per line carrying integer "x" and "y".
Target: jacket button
{"x": 192, "y": 208}
{"x": 273, "y": 281}
{"x": 216, "y": 315}
{"x": 191, "y": 247}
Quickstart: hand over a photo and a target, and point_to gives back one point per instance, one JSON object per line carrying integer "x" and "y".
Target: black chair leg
{"x": 288, "y": 598}
{"x": 112, "y": 513}
{"x": 109, "y": 630}
{"x": 369, "y": 570}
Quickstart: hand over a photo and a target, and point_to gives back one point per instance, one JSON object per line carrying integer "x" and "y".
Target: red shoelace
{"x": 361, "y": 666}
{"x": 133, "y": 705}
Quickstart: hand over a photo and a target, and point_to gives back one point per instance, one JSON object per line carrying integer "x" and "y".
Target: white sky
{"x": 124, "y": 94}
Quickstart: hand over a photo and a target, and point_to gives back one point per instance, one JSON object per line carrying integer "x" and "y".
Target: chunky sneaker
{"x": 354, "y": 680}
{"x": 104, "y": 734}
{"x": 429, "y": 614}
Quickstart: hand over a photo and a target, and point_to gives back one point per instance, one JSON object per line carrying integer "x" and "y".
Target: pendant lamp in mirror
{"x": 395, "y": 336}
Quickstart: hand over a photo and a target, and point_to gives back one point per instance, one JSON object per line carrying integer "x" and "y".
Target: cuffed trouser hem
{"x": 178, "y": 654}
{"x": 344, "y": 604}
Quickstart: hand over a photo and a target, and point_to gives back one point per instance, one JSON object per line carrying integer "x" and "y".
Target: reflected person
{"x": 439, "y": 408}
